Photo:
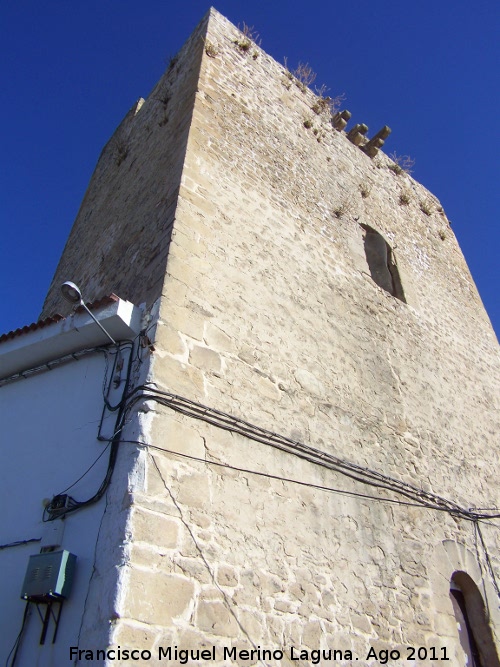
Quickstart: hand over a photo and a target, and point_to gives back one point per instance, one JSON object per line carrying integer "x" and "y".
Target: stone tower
{"x": 323, "y": 405}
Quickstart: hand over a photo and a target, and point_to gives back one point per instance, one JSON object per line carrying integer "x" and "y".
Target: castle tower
{"x": 319, "y": 413}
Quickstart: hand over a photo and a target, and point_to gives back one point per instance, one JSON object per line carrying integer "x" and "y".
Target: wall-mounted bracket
{"x": 45, "y": 618}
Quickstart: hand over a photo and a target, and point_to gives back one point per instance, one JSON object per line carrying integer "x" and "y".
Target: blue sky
{"x": 71, "y": 70}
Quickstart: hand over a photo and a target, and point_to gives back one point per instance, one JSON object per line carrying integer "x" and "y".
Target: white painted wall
{"x": 49, "y": 426}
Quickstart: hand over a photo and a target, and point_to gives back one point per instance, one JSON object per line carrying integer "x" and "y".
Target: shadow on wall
{"x": 382, "y": 264}
{"x": 472, "y": 620}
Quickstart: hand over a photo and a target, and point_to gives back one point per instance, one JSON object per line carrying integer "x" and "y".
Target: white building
{"x": 56, "y": 376}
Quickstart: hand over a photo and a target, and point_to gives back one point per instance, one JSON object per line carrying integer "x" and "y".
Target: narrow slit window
{"x": 381, "y": 263}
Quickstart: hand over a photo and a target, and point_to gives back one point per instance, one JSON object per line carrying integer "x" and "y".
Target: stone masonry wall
{"x": 268, "y": 312}
{"x": 119, "y": 241}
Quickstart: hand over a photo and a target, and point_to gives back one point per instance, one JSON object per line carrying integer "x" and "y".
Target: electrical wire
{"x": 14, "y": 650}
{"x": 228, "y": 601}
{"x": 53, "y": 511}
{"x": 20, "y": 543}
{"x": 354, "y": 471}
{"x": 225, "y": 421}
{"x": 144, "y": 341}
{"x": 87, "y": 471}
{"x": 416, "y": 497}
{"x": 61, "y": 505}
{"x": 106, "y": 386}
{"x": 310, "y": 485}
{"x": 317, "y": 487}
{"x": 358, "y": 473}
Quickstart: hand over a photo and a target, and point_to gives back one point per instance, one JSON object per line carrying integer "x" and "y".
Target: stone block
{"x": 362, "y": 622}
{"x": 179, "y": 378}
{"x": 184, "y": 319}
{"x": 246, "y": 596}
{"x": 254, "y": 623}
{"x": 194, "y": 490}
{"x": 311, "y": 634}
{"x": 227, "y": 576}
{"x": 217, "y": 339}
{"x": 309, "y": 382}
{"x": 202, "y": 204}
{"x": 267, "y": 389}
{"x": 157, "y": 529}
{"x": 193, "y": 568}
{"x": 188, "y": 269}
{"x": 146, "y": 556}
{"x": 190, "y": 638}
{"x": 214, "y": 617}
{"x": 177, "y": 436}
{"x": 285, "y": 606}
{"x": 157, "y": 598}
{"x": 134, "y": 635}
{"x": 169, "y": 340}
{"x": 205, "y": 359}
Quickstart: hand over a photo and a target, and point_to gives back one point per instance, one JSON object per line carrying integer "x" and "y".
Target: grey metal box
{"x": 49, "y": 576}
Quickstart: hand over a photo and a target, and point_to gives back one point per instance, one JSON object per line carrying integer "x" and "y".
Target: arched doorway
{"x": 472, "y": 621}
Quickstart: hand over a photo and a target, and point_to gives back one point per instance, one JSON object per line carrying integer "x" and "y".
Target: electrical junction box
{"x": 49, "y": 576}
{"x": 52, "y": 535}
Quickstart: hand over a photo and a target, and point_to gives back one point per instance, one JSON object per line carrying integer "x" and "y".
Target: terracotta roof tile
{"x": 52, "y": 319}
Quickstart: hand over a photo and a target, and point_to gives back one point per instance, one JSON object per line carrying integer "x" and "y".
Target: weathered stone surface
{"x": 183, "y": 320}
{"x": 128, "y": 633}
{"x": 170, "y": 340}
{"x": 155, "y": 528}
{"x": 168, "y": 432}
{"x": 215, "y": 618}
{"x": 157, "y": 598}
{"x": 205, "y": 359}
{"x": 194, "y": 490}
{"x": 309, "y": 382}
{"x": 179, "y": 378}
{"x": 268, "y": 312}
{"x": 227, "y": 576}
{"x": 129, "y": 207}
{"x": 218, "y": 339}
